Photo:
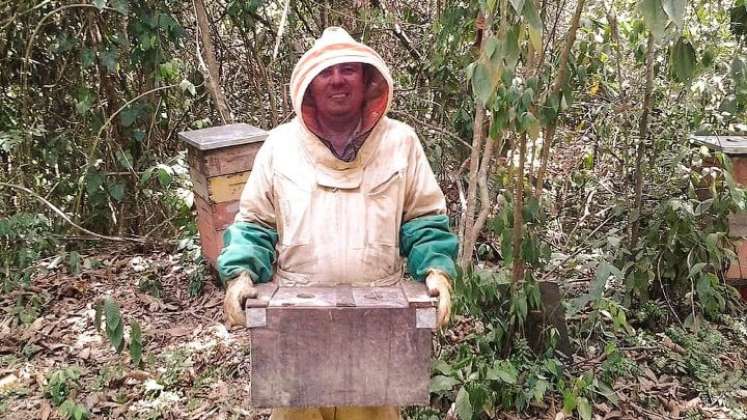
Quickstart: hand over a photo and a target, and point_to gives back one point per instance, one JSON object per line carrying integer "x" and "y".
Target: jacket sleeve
{"x": 249, "y": 243}
{"x": 425, "y": 238}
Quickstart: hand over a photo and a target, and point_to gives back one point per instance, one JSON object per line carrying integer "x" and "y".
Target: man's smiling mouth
{"x": 338, "y": 96}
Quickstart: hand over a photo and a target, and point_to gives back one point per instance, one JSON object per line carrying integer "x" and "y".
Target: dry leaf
{"x": 8, "y": 380}
{"x": 671, "y": 345}
{"x": 45, "y": 410}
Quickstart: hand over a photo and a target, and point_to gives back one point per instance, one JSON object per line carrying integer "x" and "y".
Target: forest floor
{"x": 194, "y": 368}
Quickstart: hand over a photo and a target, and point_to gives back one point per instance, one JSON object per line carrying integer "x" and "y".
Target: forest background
{"x": 559, "y": 130}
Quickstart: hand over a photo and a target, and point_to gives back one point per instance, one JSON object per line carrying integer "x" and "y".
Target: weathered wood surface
{"x": 308, "y": 357}
{"x": 417, "y": 294}
{"x": 211, "y": 239}
{"x": 219, "y": 215}
{"x": 265, "y": 291}
{"x": 223, "y": 136}
{"x": 224, "y": 161}
{"x": 220, "y": 188}
{"x": 738, "y": 225}
{"x": 341, "y": 346}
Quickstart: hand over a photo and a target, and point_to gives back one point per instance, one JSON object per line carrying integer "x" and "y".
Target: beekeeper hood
{"x": 336, "y": 46}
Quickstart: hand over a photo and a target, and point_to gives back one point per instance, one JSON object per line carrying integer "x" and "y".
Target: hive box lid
{"x": 731, "y": 145}
{"x": 223, "y": 136}
{"x": 310, "y": 297}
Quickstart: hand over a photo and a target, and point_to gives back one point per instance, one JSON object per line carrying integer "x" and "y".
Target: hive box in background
{"x": 736, "y": 148}
{"x": 220, "y": 161}
{"x": 341, "y": 346}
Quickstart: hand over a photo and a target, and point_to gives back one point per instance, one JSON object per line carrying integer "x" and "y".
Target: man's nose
{"x": 337, "y": 78}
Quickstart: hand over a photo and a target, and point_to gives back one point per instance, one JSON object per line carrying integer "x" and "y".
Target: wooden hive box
{"x": 220, "y": 161}
{"x": 736, "y": 148}
{"x": 341, "y": 346}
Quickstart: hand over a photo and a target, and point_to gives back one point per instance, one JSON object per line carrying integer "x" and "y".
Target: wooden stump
{"x": 551, "y": 316}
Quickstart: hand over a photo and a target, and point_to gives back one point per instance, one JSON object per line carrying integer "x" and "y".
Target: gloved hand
{"x": 238, "y": 291}
{"x": 438, "y": 286}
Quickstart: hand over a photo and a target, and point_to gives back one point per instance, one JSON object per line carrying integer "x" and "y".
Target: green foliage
{"x": 73, "y": 411}
{"x": 616, "y": 365}
{"x": 67, "y": 149}
{"x": 151, "y": 284}
{"x": 108, "y": 309}
{"x": 61, "y": 383}
{"x": 534, "y": 251}
{"x": 24, "y": 238}
{"x": 114, "y": 324}
{"x": 193, "y": 263}
{"x": 692, "y": 230}
{"x": 683, "y": 60}
{"x": 136, "y": 343}
{"x": 654, "y": 15}
{"x": 471, "y": 371}
{"x": 699, "y": 357}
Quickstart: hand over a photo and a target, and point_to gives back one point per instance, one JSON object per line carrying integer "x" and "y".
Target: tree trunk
{"x": 557, "y": 87}
{"x": 642, "y": 135}
{"x": 208, "y": 64}
{"x": 517, "y": 274}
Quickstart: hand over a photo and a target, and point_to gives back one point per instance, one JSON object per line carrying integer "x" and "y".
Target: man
{"x": 341, "y": 194}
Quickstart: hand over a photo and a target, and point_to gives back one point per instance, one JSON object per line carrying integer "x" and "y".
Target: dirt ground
{"x": 193, "y": 368}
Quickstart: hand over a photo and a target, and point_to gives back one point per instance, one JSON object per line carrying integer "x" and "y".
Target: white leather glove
{"x": 238, "y": 291}
{"x": 438, "y": 286}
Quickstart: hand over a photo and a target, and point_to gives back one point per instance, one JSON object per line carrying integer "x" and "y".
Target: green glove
{"x": 247, "y": 247}
{"x": 428, "y": 245}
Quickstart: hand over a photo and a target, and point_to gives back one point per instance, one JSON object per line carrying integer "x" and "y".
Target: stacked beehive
{"x": 736, "y": 148}
{"x": 220, "y": 161}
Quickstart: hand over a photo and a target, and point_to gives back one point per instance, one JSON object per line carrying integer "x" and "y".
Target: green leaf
{"x": 124, "y": 158}
{"x": 511, "y": 47}
{"x": 683, "y": 60}
{"x": 128, "y": 116}
{"x": 738, "y": 24}
{"x": 441, "y": 383}
{"x": 569, "y": 401}
{"x": 675, "y": 9}
{"x": 654, "y": 16}
{"x": 66, "y": 408}
{"x": 483, "y": 84}
{"x": 138, "y": 135}
{"x": 164, "y": 177}
{"x": 79, "y": 412}
{"x": 100, "y": 4}
{"x": 518, "y": 5}
{"x": 109, "y": 59}
{"x": 463, "y": 406}
{"x": 187, "y": 86}
{"x": 535, "y": 24}
{"x": 136, "y": 343}
{"x": 531, "y": 125}
{"x": 696, "y": 269}
{"x": 73, "y": 263}
{"x": 503, "y": 370}
{"x": 84, "y": 101}
{"x": 539, "y": 390}
{"x": 584, "y": 408}
{"x": 117, "y": 191}
{"x": 94, "y": 181}
{"x": 121, "y": 6}
{"x": 114, "y": 327}
{"x": 490, "y": 47}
